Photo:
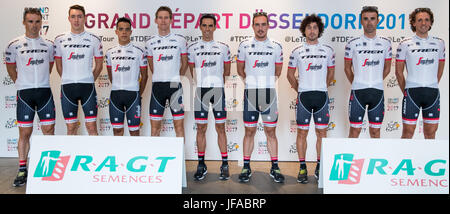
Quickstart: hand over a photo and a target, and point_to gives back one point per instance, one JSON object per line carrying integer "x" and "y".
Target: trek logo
{"x": 425, "y": 61}
{"x": 208, "y": 54}
{"x": 34, "y": 62}
{"x": 346, "y": 170}
{"x": 313, "y": 67}
{"x": 314, "y": 57}
{"x": 123, "y": 58}
{"x": 77, "y": 46}
{"x": 164, "y": 58}
{"x": 424, "y": 50}
{"x": 260, "y": 53}
{"x": 370, "y": 52}
{"x": 51, "y": 166}
{"x": 371, "y": 63}
{"x": 208, "y": 64}
{"x": 165, "y": 47}
{"x": 122, "y": 68}
{"x": 74, "y": 56}
{"x": 260, "y": 64}
{"x": 33, "y": 51}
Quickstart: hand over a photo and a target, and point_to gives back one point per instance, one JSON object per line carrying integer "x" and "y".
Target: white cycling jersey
{"x": 209, "y": 58}
{"x": 166, "y": 52}
{"x": 125, "y": 63}
{"x": 32, "y": 58}
{"x": 368, "y": 56}
{"x": 77, "y": 52}
{"x": 422, "y": 58}
{"x": 312, "y": 62}
{"x": 260, "y": 58}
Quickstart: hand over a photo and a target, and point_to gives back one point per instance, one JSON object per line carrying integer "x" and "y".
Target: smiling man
{"x": 315, "y": 62}
{"x": 167, "y": 59}
{"x": 74, "y": 53}
{"x": 367, "y": 63}
{"x": 29, "y": 62}
{"x": 424, "y": 58}
{"x": 259, "y": 63}
{"x": 127, "y": 70}
{"x": 211, "y": 61}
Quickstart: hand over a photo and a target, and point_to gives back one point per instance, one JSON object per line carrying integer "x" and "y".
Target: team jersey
{"x": 32, "y": 58}
{"x": 166, "y": 51}
{"x": 209, "y": 59}
{"x": 422, "y": 58}
{"x": 368, "y": 56}
{"x": 77, "y": 52}
{"x": 312, "y": 62}
{"x": 125, "y": 63}
{"x": 260, "y": 58}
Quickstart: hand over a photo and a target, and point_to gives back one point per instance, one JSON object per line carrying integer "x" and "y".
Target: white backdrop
{"x": 341, "y": 22}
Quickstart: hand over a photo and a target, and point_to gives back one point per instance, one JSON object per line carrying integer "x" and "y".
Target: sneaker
{"x": 316, "y": 172}
{"x": 224, "y": 172}
{"x": 276, "y": 175}
{"x": 245, "y": 175}
{"x": 201, "y": 172}
{"x": 21, "y": 179}
{"x": 302, "y": 176}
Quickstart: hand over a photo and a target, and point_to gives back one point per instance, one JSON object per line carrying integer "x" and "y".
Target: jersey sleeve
{"x": 279, "y": 52}
{"x": 51, "y": 53}
{"x": 148, "y": 50}
{"x": 293, "y": 60}
{"x": 183, "y": 46}
{"x": 57, "y": 49}
{"x": 10, "y": 54}
{"x": 348, "y": 51}
{"x": 331, "y": 61}
{"x": 226, "y": 54}
{"x": 241, "y": 53}
{"x": 388, "y": 55}
{"x": 98, "y": 49}
{"x": 191, "y": 55}
{"x": 401, "y": 52}
{"x": 441, "y": 50}
{"x": 143, "y": 63}
{"x": 108, "y": 59}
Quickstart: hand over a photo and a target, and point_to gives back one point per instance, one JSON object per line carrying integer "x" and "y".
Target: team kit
{"x": 79, "y": 56}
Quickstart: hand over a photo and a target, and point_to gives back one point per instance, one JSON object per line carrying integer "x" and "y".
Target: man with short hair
{"x": 259, "y": 62}
{"x": 74, "y": 53}
{"x": 167, "y": 59}
{"x": 29, "y": 62}
{"x": 315, "y": 62}
{"x": 212, "y": 62}
{"x": 424, "y": 57}
{"x": 127, "y": 70}
{"x": 367, "y": 62}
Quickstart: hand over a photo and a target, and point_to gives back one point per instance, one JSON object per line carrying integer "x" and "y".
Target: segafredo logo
{"x": 347, "y": 170}
{"x": 139, "y": 169}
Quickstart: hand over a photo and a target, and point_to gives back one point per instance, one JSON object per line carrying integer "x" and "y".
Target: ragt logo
{"x": 51, "y": 166}
{"x": 346, "y": 170}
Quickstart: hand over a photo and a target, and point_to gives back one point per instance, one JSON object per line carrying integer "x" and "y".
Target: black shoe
{"x": 201, "y": 172}
{"x": 21, "y": 179}
{"x": 245, "y": 175}
{"x": 316, "y": 172}
{"x": 302, "y": 176}
{"x": 276, "y": 175}
{"x": 224, "y": 172}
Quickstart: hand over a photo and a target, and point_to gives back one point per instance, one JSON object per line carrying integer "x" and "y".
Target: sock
{"x": 247, "y": 162}
{"x": 318, "y": 160}
{"x": 201, "y": 158}
{"x": 224, "y": 158}
{"x": 302, "y": 163}
{"x": 22, "y": 165}
{"x": 274, "y": 162}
